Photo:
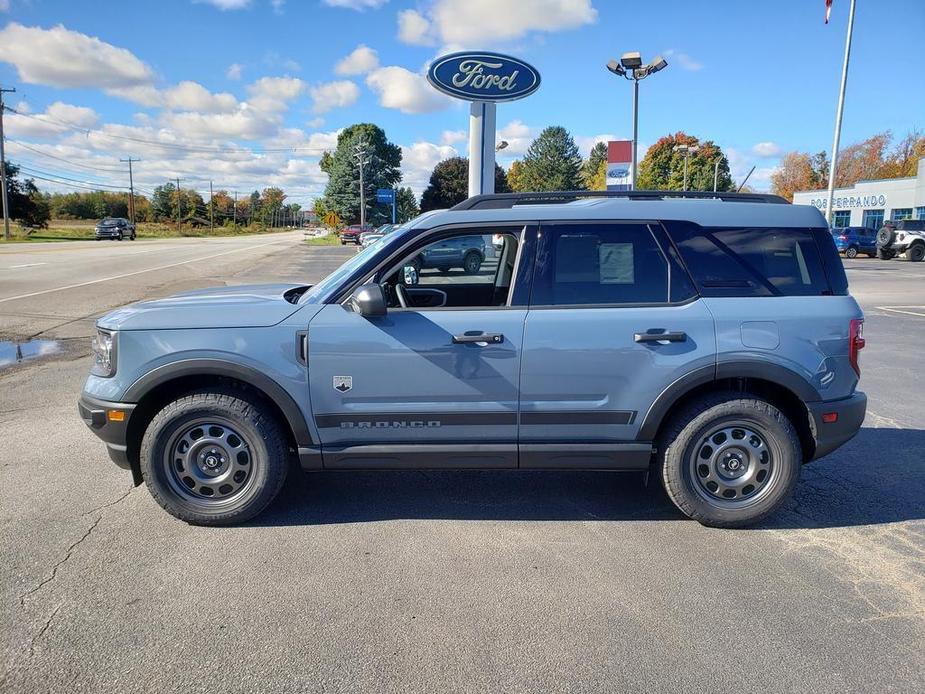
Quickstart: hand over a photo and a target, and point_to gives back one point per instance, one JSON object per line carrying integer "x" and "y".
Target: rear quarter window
{"x": 755, "y": 261}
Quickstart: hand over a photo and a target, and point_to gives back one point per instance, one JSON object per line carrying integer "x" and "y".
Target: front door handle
{"x": 665, "y": 336}
{"x": 470, "y": 337}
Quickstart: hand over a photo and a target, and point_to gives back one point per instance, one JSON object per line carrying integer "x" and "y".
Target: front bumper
{"x": 831, "y": 435}
{"x": 114, "y": 234}
{"x": 101, "y": 417}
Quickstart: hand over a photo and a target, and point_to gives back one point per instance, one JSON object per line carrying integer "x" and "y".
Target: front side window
{"x": 599, "y": 264}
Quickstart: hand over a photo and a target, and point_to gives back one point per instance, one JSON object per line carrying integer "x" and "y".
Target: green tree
{"x": 164, "y": 202}
{"x": 406, "y": 205}
{"x": 449, "y": 184}
{"x": 663, "y": 168}
{"x": 552, "y": 162}
{"x": 515, "y": 177}
{"x": 382, "y": 170}
{"x": 590, "y": 170}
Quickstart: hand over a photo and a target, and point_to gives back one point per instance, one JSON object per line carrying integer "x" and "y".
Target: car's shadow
{"x": 878, "y": 477}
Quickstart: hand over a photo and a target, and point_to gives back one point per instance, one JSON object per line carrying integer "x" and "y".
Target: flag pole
{"x": 838, "y": 115}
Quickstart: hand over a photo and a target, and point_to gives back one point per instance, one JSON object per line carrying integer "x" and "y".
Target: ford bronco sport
{"x": 708, "y": 338}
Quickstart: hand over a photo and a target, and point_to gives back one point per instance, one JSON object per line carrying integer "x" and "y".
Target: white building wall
{"x": 870, "y": 196}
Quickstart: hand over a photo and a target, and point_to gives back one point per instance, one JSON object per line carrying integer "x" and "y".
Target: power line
{"x": 66, "y": 161}
{"x": 31, "y": 170}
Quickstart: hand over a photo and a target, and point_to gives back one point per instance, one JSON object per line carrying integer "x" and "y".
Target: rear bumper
{"x": 114, "y": 434}
{"x": 831, "y": 435}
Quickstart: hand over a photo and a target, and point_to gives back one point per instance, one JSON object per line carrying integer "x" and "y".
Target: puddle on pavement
{"x": 17, "y": 352}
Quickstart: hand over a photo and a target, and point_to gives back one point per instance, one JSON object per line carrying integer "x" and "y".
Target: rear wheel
{"x": 728, "y": 460}
{"x": 851, "y": 252}
{"x": 916, "y": 252}
{"x": 884, "y": 254}
{"x": 472, "y": 263}
{"x": 214, "y": 458}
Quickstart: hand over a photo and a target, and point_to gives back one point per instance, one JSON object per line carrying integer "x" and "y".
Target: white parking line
{"x": 138, "y": 272}
{"x": 16, "y": 267}
{"x": 904, "y": 309}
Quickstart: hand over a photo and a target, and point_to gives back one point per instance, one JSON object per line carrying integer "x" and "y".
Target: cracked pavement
{"x": 470, "y": 581}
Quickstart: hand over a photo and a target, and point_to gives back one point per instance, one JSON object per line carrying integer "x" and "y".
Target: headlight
{"x": 104, "y": 353}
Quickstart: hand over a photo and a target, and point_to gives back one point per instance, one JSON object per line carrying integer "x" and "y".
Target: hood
{"x": 245, "y": 306}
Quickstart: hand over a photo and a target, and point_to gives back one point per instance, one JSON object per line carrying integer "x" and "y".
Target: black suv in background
{"x": 117, "y": 228}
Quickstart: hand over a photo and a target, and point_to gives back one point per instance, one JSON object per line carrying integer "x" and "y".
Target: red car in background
{"x": 352, "y": 233}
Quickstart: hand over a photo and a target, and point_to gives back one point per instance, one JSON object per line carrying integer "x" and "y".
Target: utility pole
{"x": 838, "y": 114}
{"x": 236, "y": 208}
{"x": 131, "y": 188}
{"x": 361, "y": 160}
{"x": 178, "y": 204}
{"x": 211, "y": 214}
{"x": 6, "y": 203}
{"x": 716, "y": 173}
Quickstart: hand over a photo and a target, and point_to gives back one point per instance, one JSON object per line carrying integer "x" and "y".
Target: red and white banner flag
{"x": 828, "y": 10}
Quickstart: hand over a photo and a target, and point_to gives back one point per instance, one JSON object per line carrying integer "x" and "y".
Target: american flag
{"x": 828, "y": 10}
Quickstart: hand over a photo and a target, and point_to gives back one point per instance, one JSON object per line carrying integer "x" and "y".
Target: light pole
{"x": 716, "y": 172}
{"x": 687, "y": 149}
{"x": 362, "y": 160}
{"x": 630, "y": 67}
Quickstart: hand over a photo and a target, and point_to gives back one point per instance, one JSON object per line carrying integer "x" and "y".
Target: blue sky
{"x": 230, "y": 85}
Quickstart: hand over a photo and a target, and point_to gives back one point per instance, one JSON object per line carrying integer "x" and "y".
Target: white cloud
{"x": 683, "y": 60}
{"x": 234, "y": 71}
{"x": 471, "y": 22}
{"x": 451, "y": 137}
{"x": 586, "y": 142}
{"x": 739, "y": 166}
{"x": 361, "y": 60}
{"x": 4, "y": 5}
{"x": 144, "y": 95}
{"x": 315, "y": 122}
{"x": 278, "y": 5}
{"x": 766, "y": 149}
{"x": 414, "y": 28}
{"x": 518, "y": 136}
{"x": 418, "y": 162}
{"x": 356, "y": 4}
{"x": 404, "y": 90}
{"x": 226, "y": 4}
{"x": 273, "y": 94}
{"x": 23, "y": 107}
{"x": 337, "y": 94}
{"x": 49, "y": 123}
{"x": 59, "y": 57}
{"x": 192, "y": 96}
{"x": 243, "y": 123}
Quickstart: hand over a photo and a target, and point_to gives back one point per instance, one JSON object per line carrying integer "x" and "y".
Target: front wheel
{"x": 851, "y": 252}
{"x": 728, "y": 460}
{"x": 916, "y": 252}
{"x": 214, "y": 457}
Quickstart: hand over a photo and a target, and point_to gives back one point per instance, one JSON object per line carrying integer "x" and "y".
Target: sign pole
{"x": 838, "y": 115}
{"x": 482, "y": 123}
{"x": 394, "y": 197}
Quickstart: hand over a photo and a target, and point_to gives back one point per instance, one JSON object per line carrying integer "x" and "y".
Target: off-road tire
{"x": 916, "y": 252}
{"x": 255, "y": 425}
{"x": 885, "y": 237}
{"x": 684, "y": 435}
{"x": 884, "y": 254}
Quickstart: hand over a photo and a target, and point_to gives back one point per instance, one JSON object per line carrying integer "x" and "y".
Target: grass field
{"x": 331, "y": 239}
{"x": 82, "y": 230}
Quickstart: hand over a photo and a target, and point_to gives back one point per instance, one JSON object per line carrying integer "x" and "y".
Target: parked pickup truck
{"x": 707, "y": 341}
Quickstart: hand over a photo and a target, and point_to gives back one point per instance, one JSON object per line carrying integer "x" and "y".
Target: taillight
{"x": 856, "y": 342}
{"x": 842, "y": 238}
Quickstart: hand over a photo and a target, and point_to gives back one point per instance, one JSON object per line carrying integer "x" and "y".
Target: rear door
{"x": 613, "y": 322}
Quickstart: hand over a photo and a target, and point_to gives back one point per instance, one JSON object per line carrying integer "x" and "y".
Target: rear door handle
{"x": 666, "y": 336}
{"x": 495, "y": 338}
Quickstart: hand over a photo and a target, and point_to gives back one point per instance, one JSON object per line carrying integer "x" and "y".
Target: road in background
{"x": 458, "y": 581}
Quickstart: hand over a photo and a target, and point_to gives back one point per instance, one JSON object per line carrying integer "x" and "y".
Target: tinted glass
{"x": 752, "y": 261}
{"x": 580, "y": 264}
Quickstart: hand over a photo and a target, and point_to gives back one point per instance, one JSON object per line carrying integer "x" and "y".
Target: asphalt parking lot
{"x": 430, "y": 581}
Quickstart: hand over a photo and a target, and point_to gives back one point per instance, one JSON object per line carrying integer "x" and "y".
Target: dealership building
{"x": 870, "y": 203}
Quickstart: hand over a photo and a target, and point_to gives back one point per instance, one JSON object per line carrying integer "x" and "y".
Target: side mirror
{"x": 409, "y": 275}
{"x": 368, "y": 301}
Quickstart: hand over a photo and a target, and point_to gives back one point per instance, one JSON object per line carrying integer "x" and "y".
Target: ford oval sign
{"x": 483, "y": 76}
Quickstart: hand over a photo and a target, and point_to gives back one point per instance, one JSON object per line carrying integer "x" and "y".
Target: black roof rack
{"x": 498, "y": 201}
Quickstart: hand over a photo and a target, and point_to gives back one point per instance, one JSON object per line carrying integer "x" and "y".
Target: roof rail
{"x": 497, "y": 201}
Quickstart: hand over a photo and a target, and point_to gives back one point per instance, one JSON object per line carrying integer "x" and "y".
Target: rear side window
{"x": 752, "y": 261}
{"x": 587, "y": 264}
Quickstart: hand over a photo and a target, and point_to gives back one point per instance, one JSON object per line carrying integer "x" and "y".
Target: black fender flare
{"x": 767, "y": 371}
{"x": 221, "y": 367}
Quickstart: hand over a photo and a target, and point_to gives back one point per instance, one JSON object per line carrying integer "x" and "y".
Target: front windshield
{"x": 319, "y": 291}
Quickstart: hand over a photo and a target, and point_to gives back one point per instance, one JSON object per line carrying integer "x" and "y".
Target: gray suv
{"x": 709, "y": 339}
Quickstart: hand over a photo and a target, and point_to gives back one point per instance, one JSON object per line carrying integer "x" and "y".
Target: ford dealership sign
{"x": 483, "y": 76}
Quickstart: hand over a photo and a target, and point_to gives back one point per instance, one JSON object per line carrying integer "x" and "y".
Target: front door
{"x": 613, "y": 322}
{"x": 433, "y": 386}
